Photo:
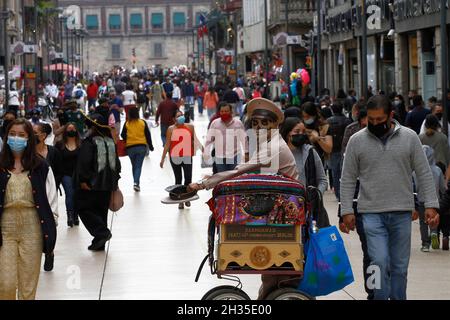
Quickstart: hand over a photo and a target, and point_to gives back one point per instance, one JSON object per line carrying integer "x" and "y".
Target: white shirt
{"x": 176, "y": 92}
{"x": 240, "y": 92}
{"x": 129, "y": 97}
{"x": 52, "y": 194}
{"x": 14, "y": 98}
{"x": 52, "y": 90}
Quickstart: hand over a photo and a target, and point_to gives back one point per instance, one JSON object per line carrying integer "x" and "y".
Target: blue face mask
{"x": 181, "y": 120}
{"x": 309, "y": 121}
{"x": 17, "y": 144}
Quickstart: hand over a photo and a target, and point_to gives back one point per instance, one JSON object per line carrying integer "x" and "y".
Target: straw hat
{"x": 264, "y": 104}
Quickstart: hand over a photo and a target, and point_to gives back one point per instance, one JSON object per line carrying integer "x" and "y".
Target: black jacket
{"x": 317, "y": 206}
{"x": 89, "y": 167}
{"x": 338, "y": 123}
{"x": 444, "y": 203}
{"x": 38, "y": 179}
{"x": 54, "y": 160}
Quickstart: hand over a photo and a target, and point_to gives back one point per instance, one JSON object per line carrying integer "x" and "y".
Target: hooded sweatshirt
{"x": 438, "y": 176}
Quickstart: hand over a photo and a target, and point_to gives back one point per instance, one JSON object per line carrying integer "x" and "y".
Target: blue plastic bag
{"x": 327, "y": 267}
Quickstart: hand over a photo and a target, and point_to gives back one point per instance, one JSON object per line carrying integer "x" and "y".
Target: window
{"x": 157, "y": 50}
{"x": 136, "y": 21}
{"x": 114, "y": 22}
{"x": 157, "y": 20}
{"x": 179, "y": 20}
{"x": 115, "y": 51}
{"x": 92, "y": 22}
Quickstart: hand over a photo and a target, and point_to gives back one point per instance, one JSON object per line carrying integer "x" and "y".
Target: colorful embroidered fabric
{"x": 259, "y": 199}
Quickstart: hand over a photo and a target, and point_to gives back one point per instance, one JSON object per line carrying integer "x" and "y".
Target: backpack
{"x": 79, "y": 94}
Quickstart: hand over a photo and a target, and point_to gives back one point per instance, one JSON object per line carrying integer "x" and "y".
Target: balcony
{"x": 299, "y": 12}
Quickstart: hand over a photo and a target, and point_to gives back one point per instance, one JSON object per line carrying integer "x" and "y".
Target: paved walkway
{"x": 156, "y": 249}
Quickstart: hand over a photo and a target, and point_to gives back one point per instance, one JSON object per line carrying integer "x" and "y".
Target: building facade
{"x": 264, "y": 33}
{"x": 403, "y": 46}
{"x": 139, "y": 33}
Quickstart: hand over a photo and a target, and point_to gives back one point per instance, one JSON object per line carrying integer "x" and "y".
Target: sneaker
{"x": 181, "y": 206}
{"x": 445, "y": 244}
{"x": 434, "y": 241}
{"x": 137, "y": 188}
{"x": 188, "y": 204}
{"x": 49, "y": 261}
{"x": 425, "y": 249}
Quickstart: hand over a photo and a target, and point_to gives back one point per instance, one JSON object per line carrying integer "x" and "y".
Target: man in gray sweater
{"x": 383, "y": 156}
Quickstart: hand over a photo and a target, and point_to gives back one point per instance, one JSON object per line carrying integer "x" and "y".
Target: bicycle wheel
{"x": 288, "y": 294}
{"x": 225, "y": 293}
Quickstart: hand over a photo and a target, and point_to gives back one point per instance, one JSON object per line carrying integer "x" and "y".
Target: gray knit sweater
{"x": 385, "y": 172}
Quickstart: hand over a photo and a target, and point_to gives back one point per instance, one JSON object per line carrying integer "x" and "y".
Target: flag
{"x": 203, "y": 29}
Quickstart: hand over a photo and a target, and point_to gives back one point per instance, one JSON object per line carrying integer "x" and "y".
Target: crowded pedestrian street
{"x": 224, "y": 150}
{"x": 156, "y": 249}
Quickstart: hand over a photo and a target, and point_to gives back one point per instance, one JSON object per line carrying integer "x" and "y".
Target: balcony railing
{"x": 299, "y": 11}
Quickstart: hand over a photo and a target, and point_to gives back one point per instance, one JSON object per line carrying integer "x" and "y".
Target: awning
{"x": 136, "y": 20}
{"x": 179, "y": 19}
{"x": 61, "y": 67}
{"x": 157, "y": 19}
{"x": 114, "y": 21}
{"x": 92, "y": 21}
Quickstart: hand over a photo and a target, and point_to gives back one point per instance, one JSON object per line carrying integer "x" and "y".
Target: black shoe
{"x": 188, "y": 204}
{"x": 70, "y": 219}
{"x": 102, "y": 248}
{"x": 98, "y": 245}
{"x": 49, "y": 261}
{"x": 76, "y": 221}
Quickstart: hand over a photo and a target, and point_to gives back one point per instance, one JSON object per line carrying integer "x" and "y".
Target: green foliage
{"x": 44, "y": 7}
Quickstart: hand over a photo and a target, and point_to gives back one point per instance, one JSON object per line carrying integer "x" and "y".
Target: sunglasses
{"x": 261, "y": 122}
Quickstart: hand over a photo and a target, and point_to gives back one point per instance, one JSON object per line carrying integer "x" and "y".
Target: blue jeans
{"x": 200, "y": 105}
{"x": 67, "y": 184}
{"x": 239, "y": 108}
{"x": 211, "y": 112}
{"x": 335, "y": 164}
{"x": 164, "y": 133}
{"x": 137, "y": 155}
{"x": 366, "y": 259}
{"x": 224, "y": 164}
{"x": 389, "y": 244}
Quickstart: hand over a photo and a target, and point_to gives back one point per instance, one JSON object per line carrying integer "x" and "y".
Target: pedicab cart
{"x": 260, "y": 223}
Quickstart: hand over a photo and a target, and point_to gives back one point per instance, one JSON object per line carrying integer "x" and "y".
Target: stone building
{"x": 138, "y": 33}
{"x": 403, "y": 46}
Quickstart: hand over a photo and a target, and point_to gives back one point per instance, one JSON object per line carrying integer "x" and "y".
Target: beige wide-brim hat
{"x": 264, "y": 104}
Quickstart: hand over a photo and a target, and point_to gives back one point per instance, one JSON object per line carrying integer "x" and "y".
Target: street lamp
{"x": 5, "y": 15}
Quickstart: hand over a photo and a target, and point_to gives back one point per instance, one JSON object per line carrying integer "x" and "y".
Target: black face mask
{"x": 71, "y": 134}
{"x": 298, "y": 140}
{"x": 380, "y": 129}
{"x": 439, "y": 116}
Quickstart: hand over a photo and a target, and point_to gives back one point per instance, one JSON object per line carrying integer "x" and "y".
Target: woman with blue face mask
{"x": 28, "y": 212}
{"x": 181, "y": 144}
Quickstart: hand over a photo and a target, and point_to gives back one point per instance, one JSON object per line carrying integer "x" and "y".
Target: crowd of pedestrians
{"x": 385, "y": 159}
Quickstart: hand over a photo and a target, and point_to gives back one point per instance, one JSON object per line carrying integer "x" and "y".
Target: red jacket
{"x": 92, "y": 91}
